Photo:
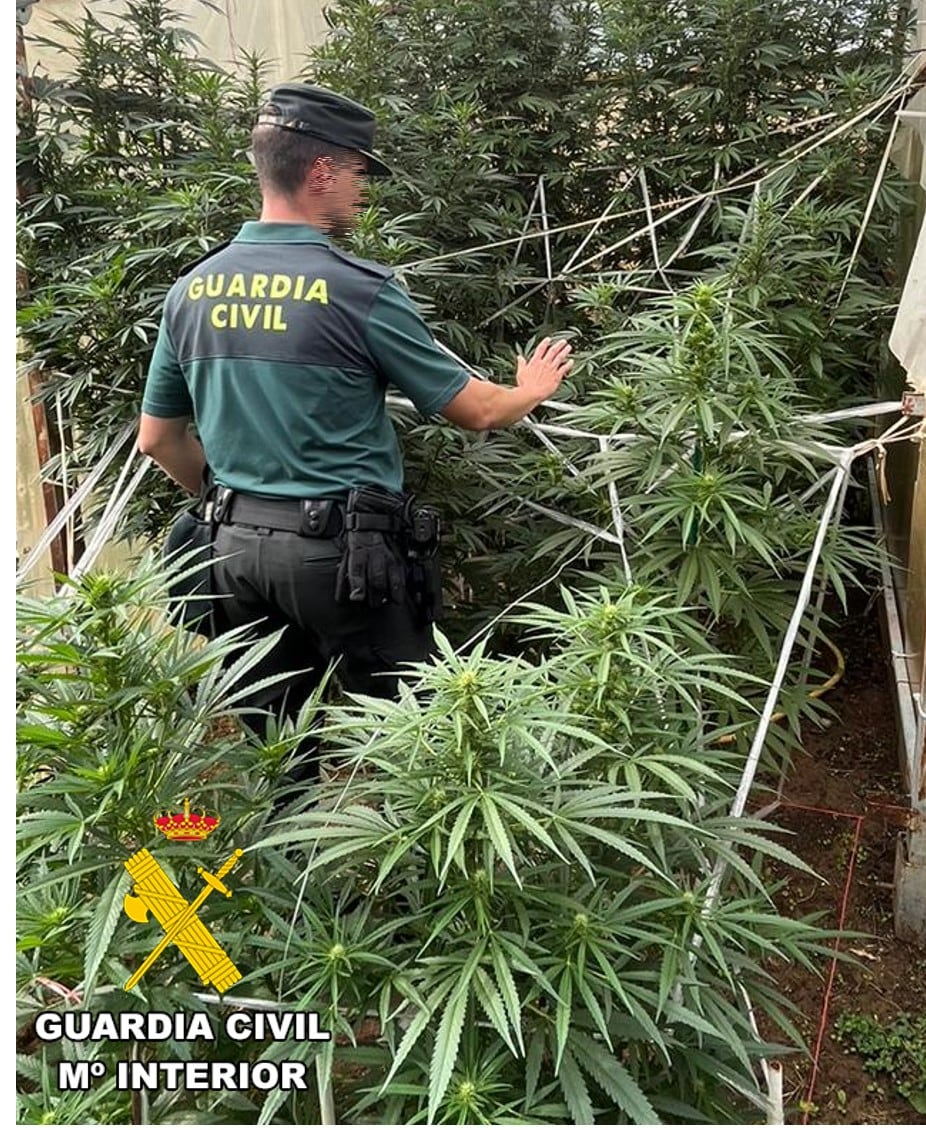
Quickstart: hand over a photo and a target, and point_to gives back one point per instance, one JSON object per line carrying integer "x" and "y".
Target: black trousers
{"x": 274, "y": 579}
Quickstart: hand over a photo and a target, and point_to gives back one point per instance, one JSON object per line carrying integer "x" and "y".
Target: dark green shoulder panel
{"x": 187, "y": 267}
{"x": 377, "y": 270}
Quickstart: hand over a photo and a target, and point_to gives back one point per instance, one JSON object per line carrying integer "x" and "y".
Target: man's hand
{"x": 483, "y": 404}
{"x": 542, "y": 375}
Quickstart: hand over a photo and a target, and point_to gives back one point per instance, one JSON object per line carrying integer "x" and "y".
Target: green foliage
{"x": 40, "y": 1102}
{"x": 119, "y": 717}
{"x": 511, "y": 874}
{"x": 896, "y": 1049}
{"x": 673, "y": 98}
{"x": 475, "y": 100}
{"x": 129, "y": 170}
{"x": 478, "y": 99}
{"x": 792, "y": 265}
{"x": 523, "y": 889}
{"x": 717, "y": 470}
{"x": 135, "y": 163}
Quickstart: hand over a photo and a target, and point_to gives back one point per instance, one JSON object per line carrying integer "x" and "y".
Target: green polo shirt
{"x": 281, "y": 347}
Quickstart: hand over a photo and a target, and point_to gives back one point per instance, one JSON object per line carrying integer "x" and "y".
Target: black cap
{"x": 328, "y": 116}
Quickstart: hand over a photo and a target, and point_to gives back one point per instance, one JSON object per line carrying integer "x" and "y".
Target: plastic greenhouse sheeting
{"x": 278, "y": 30}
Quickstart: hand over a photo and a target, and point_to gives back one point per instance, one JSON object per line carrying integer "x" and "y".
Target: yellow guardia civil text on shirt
{"x": 254, "y": 315}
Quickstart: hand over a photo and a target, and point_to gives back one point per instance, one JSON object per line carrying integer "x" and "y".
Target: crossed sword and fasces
{"x": 154, "y": 891}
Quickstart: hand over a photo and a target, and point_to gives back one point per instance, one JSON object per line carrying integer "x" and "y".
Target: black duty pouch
{"x": 191, "y": 544}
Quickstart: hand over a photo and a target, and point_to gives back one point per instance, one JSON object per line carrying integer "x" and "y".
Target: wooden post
{"x": 46, "y": 440}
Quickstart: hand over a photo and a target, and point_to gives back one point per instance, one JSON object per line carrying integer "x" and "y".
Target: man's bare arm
{"x": 171, "y": 445}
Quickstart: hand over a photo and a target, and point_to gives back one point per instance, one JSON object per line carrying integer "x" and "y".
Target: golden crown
{"x": 186, "y": 825}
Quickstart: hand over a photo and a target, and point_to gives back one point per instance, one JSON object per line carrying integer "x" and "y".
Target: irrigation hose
{"x": 817, "y": 692}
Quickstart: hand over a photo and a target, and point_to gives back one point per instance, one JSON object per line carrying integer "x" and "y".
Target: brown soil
{"x": 844, "y": 802}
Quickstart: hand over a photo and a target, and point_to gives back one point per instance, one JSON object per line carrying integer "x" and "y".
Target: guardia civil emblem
{"x": 155, "y": 893}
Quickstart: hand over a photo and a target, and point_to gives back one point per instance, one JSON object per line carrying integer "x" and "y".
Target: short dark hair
{"x": 283, "y": 157}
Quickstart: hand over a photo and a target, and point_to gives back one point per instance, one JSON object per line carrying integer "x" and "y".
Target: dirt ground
{"x": 844, "y": 802}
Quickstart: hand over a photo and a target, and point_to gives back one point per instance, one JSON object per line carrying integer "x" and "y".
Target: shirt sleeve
{"x": 407, "y": 354}
{"x": 166, "y": 391}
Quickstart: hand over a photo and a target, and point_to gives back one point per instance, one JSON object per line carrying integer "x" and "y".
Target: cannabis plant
{"x": 523, "y": 875}
{"x": 129, "y": 168}
{"x": 707, "y": 486}
{"x": 135, "y": 163}
{"x": 120, "y": 717}
{"x": 475, "y": 101}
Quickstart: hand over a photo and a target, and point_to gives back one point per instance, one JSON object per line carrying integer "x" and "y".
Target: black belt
{"x": 309, "y": 517}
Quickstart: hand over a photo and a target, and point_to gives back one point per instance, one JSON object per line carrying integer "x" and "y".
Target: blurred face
{"x": 341, "y": 189}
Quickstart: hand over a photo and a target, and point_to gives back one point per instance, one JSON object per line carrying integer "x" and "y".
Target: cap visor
{"x": 375, "y": 167}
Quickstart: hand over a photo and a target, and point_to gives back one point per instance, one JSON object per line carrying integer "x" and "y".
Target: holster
{"x": 191, "y": 538}
{"x": 422, "y": 546}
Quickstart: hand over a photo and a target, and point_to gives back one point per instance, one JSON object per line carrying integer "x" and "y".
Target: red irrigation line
{"x": 870, "y": 807}
{"x": 825, "y": 811}
{"x": 824, "y": 1012}
{"x": 850, "y": 873}
{"x": 893, "y": 807}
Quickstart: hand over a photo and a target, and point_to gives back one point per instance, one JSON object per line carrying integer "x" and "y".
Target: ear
{"x": 322, "y": 173}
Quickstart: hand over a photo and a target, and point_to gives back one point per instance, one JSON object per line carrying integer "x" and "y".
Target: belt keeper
{"x": 381, "y": 523}
{"x": 222, "y": 503}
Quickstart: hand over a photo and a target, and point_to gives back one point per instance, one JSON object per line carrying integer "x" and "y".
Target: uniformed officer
{"x": 280, "y": 348}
